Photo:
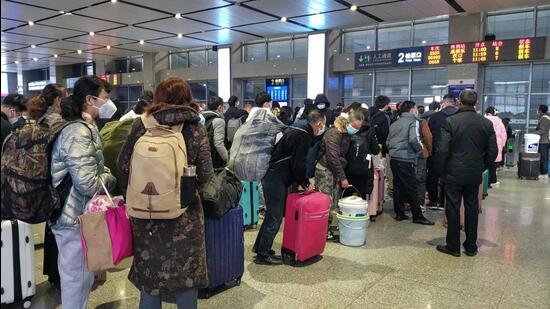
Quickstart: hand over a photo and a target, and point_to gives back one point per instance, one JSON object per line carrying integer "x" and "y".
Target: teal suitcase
{"x": 250, "y": 202}
{"x": 485, "y": 183}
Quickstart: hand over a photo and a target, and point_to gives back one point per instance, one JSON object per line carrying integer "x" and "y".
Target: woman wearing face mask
{"x": 77, "y": 156}
{"x": 330, "y": 170}
{"x": 13, "y": 107}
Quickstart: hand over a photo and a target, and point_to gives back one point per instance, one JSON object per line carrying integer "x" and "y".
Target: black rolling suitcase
{"x": 528, "y": 165}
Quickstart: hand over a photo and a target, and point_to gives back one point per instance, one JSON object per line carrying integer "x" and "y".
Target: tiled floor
{"x": 398, "y": 268}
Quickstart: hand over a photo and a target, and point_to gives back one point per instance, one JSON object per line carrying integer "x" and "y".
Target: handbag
{"x": 221, "y": 194}
{"x": 106, "y": 236}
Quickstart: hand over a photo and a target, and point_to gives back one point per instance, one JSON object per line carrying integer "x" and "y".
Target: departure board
{"x": 487, "y": 51}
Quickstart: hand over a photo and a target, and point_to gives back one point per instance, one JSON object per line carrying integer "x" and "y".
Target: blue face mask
{"x": 351, "y": 129}
{"x": 202, "y": 120}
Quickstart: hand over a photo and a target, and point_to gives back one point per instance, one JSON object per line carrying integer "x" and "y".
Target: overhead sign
{"x": 456, "y": 89}
{"x": 523, "y": 49}
{"x": 278, "y": 89}
{"x": 71, "y": 81}
{"x": 37, "y": 85}
{"x": 112, "y": 79}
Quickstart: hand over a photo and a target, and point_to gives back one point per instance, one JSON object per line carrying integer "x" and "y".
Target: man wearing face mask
{"x": 287, "y": 166}
{"x": 13, "y": 107}
{"x": 404, "y": 147}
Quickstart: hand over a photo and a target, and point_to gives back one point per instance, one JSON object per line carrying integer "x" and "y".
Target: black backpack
{"x": 357, "y": 162}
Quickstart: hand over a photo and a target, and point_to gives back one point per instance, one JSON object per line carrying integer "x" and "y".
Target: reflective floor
{"x": 398, "y": 268}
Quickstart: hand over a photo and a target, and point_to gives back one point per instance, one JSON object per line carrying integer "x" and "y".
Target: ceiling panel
{"x": 295, "y": 8}
{"x": 182, "y": 25}
{"x": 99, "y": 39}
{"x": 45, "y": 50}
{"x": 114, "y": 52}
{"x": 122, "y": 12}
{"x": 10, "y": 46}
{"x": 231, "y": 16}
{"x": 179, "y": 6}
{"x": 23, "y": 39}
{"x": 135, "y": 33}
{"x": 24, "y": 12}
{"x": 273, "y": 28}
{"x": 70, "y": 45}
{"x": 184, "y": 42}
{"x": 46, "y": 31}
{"x": 412, "y": 9}
{"x": 9, "y": 23}
{"x": 224, "y": 36}
{"x": 21, "y": 56}
{"x": 486, "y": 6}
{"x": 335, "y": 20}
{"x": 146, "y": 48}
{"x": 81, "y": 23}
{"x": 61, "y": 5}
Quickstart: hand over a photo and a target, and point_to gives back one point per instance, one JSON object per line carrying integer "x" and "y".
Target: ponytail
{"x": 71, "y": 110}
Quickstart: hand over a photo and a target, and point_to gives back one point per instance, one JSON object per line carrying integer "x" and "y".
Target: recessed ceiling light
{"x": 368, "y": 47}
{"x": 89, "y": 61}
{"x": 68, "y": 14}
{"x": 16, "y": 62}
{"x": 33, "y": 46}
{"x": 79, "y": 51}
{"x": 141, "y": 42}
{"x": 35, "y": 59}
{"x": 353, "y": 7}
{"x": 424, "y": 42}
{"x": 180, "y": 35}
{"x": 108, "y": 46}
{"x": 177, "y": 16}
{"x": 91, "y": 33}
{"x": 113, "y": 1}
{"x": 283, "y": 19}
{"x": 31, "y": 23}
{"x": 61, "y": 12}
{"x": 55, "y": 55}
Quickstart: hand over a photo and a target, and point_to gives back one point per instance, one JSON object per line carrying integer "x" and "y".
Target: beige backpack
{"x": 157, "y": 165}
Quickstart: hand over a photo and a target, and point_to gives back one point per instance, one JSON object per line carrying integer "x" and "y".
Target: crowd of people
{"x": 442, "y": 152}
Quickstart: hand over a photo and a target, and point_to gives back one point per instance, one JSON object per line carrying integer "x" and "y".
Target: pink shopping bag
{"x": 120, "y": 231}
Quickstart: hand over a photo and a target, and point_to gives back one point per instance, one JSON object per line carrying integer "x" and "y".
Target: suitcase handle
{"x": 317, "y": 216}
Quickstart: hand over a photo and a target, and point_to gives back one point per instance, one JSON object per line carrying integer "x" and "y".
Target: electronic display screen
{"x": 278, "y": 89}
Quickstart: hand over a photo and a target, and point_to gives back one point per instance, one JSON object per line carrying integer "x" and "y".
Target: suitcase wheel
{"x": 288, "y": 259}
{"x": 372, "y": 218}
{"x": 27, "y": 303}
{"x": 207, "y": 293}
{"x": 238, "y": 281}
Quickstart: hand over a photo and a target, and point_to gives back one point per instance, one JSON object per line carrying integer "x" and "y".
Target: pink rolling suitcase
{"x": 376, "y": 199}
{"x": 306, "y": 225}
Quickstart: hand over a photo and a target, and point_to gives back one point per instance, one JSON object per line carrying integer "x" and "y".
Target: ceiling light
{"x": 180, "y": 35}
{"x": 141, "y": 42}
{"x": 61, "y": 12}
{"x": 68, "y": 14}
{"x": 79, "y": 51}
{"x": 353, "y": 7}
{"x": 424, "y": 42}
{"x": 33, "y": 46}
{"x": 31, "y": 23}
{"x": 113, "y": 1}
{"x": 368, "y": 47}
{"x": 108, "y": 46}
{"x": 16, "y": 62}
{"x": 55, "y": 55}
{"x": 35, "y": 59}
{"x": 178, "y": 15}
{"x": 283, "y": 19}
{"x": 89, "y": 61}
{"x": 91, "y": 33}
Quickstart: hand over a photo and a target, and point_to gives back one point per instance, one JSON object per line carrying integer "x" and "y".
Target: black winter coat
{"x": 468, "y": 145}
{"x": 381, "y": 124}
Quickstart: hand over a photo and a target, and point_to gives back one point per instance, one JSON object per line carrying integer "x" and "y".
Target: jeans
{"x": 184, "y": 300}
{"x": 405, "y": 189}
{"x": 543, "y": 150}
{"x": 455, "y": 194}
{"x": 275, "y": 201}
{"x": 76, "y": 280}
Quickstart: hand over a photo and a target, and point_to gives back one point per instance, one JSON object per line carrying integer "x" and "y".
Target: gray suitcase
{"x": 529, "y": 165}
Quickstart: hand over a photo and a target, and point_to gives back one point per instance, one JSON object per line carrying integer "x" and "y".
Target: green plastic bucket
{"x": 353, "y": 230}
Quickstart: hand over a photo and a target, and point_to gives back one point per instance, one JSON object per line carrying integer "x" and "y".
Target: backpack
{"x": 156, "y": 169}
{"x": 253, "y": 144}
{"x": 221, "y": 194}
{"x": 114, "y": 134}
{"x": 231, "y": 128}
{"x": 357, "y": 162}
{"x": 217, "y": 161}
{"x": 27, "y": 190}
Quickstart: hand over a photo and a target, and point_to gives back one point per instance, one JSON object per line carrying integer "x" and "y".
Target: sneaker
{"x": 543, "y": 177}
{"x": 331, "y": 236}
{"x": 433, "y": 206}
{"x": 440, "y": 208}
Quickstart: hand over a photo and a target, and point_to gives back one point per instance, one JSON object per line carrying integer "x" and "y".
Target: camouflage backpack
{"x": 27, "y": 191}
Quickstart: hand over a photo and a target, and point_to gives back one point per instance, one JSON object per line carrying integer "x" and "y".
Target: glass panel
{"x": 254, "y": 52}
{"x": 537, "y": 100}
{"x": 178, "y": 60}
{"x": 212, "y": 88}
{"x": 543, "y": 23}
{"x": 393, "y": 84}
{"x": 89, "y": 69}
{"x": 509, "y": 106}
{"x": 279, "y": 50}
{"x": 300, "y": 48}
{"x": 121, "y": 65}
{"x": 198, "y": 88}
{"x": 511, "y": 26}
{"x": 122, "y": 94}
{"x": 212, "y": 57}
{"x": 389, "y": 38}
{"x": 359, "y": 41}
{"x": 135, "y": 92}
{"x": 507, "y": 79}
{"x": 431, "y": 33}
{"x": 253, "y": 87}
{"x": 541, "y": 78}
{"x": 358, "y": 87}
{"x": 429, "y": 82}
{"x": 299, "y": 89}
{"x": 136, "y": 64}
{"x": 197, "y": 59}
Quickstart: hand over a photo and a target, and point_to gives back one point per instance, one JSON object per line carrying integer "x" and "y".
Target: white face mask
{"x": 107, "y": 110}
{"x": 13, "y": 120}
